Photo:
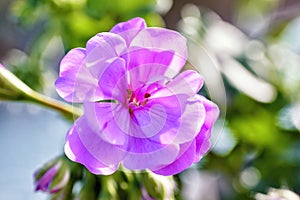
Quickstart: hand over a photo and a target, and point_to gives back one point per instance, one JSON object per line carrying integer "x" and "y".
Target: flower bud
{"x": 53, "y": 177}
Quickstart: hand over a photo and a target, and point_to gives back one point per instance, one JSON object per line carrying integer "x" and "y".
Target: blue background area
{"x": 29, "y": 137}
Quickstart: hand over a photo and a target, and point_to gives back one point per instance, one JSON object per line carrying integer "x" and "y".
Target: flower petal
{"x": 75, "y": 83}
{"x": 157, "y": 118}
{"x": 110, "y": 120}
{"x": 113, "y": 80}
{"x": 86, "y": 147}
{"x": 72, "y": 61}
{"x": 132, "y": 24}
{"x": 129, "y": 29}
{"x": 165, "y": 40}
{"x": 102, "y": 49}
{"x": 150, "y": 160}
{"x": 183, "y": 161}
{"x": 143, "y": 74}
{"x": 111, "y": 44}
{"x": 191, "y": 121}
{"x": 202, "y": 139}
{"x": 189, "y": 111}
{"x": 137, "y": 56}
{"x": 187, "y": 82}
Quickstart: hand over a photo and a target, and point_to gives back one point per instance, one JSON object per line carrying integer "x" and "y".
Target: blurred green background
{"x": 247, "y": 51}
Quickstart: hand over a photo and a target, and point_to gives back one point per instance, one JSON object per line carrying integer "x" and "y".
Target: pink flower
{"x": 138, "y": 109}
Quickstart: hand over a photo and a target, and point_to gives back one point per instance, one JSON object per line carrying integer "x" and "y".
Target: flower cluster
{"x": 138, "y": 109}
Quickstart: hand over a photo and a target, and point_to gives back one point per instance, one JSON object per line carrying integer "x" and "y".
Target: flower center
{"x": 136, "y": 99}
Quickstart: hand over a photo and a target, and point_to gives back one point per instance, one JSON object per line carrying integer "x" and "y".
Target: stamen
{"x": 130, "y": 111}
{"x": 144, "y": 102}
{"x": 135, "y": 102}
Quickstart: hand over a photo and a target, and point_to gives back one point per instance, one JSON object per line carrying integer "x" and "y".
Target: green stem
{"x": 55, "y": 104}
{"x": 12, "y": 88}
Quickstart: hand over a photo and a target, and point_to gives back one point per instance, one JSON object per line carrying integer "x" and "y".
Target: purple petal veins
{"x": 139, "y": 110}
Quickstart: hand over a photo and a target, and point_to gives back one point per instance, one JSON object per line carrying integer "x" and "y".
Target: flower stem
{"x": 12, "y": 88}
{"x": 64, "y": 108}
